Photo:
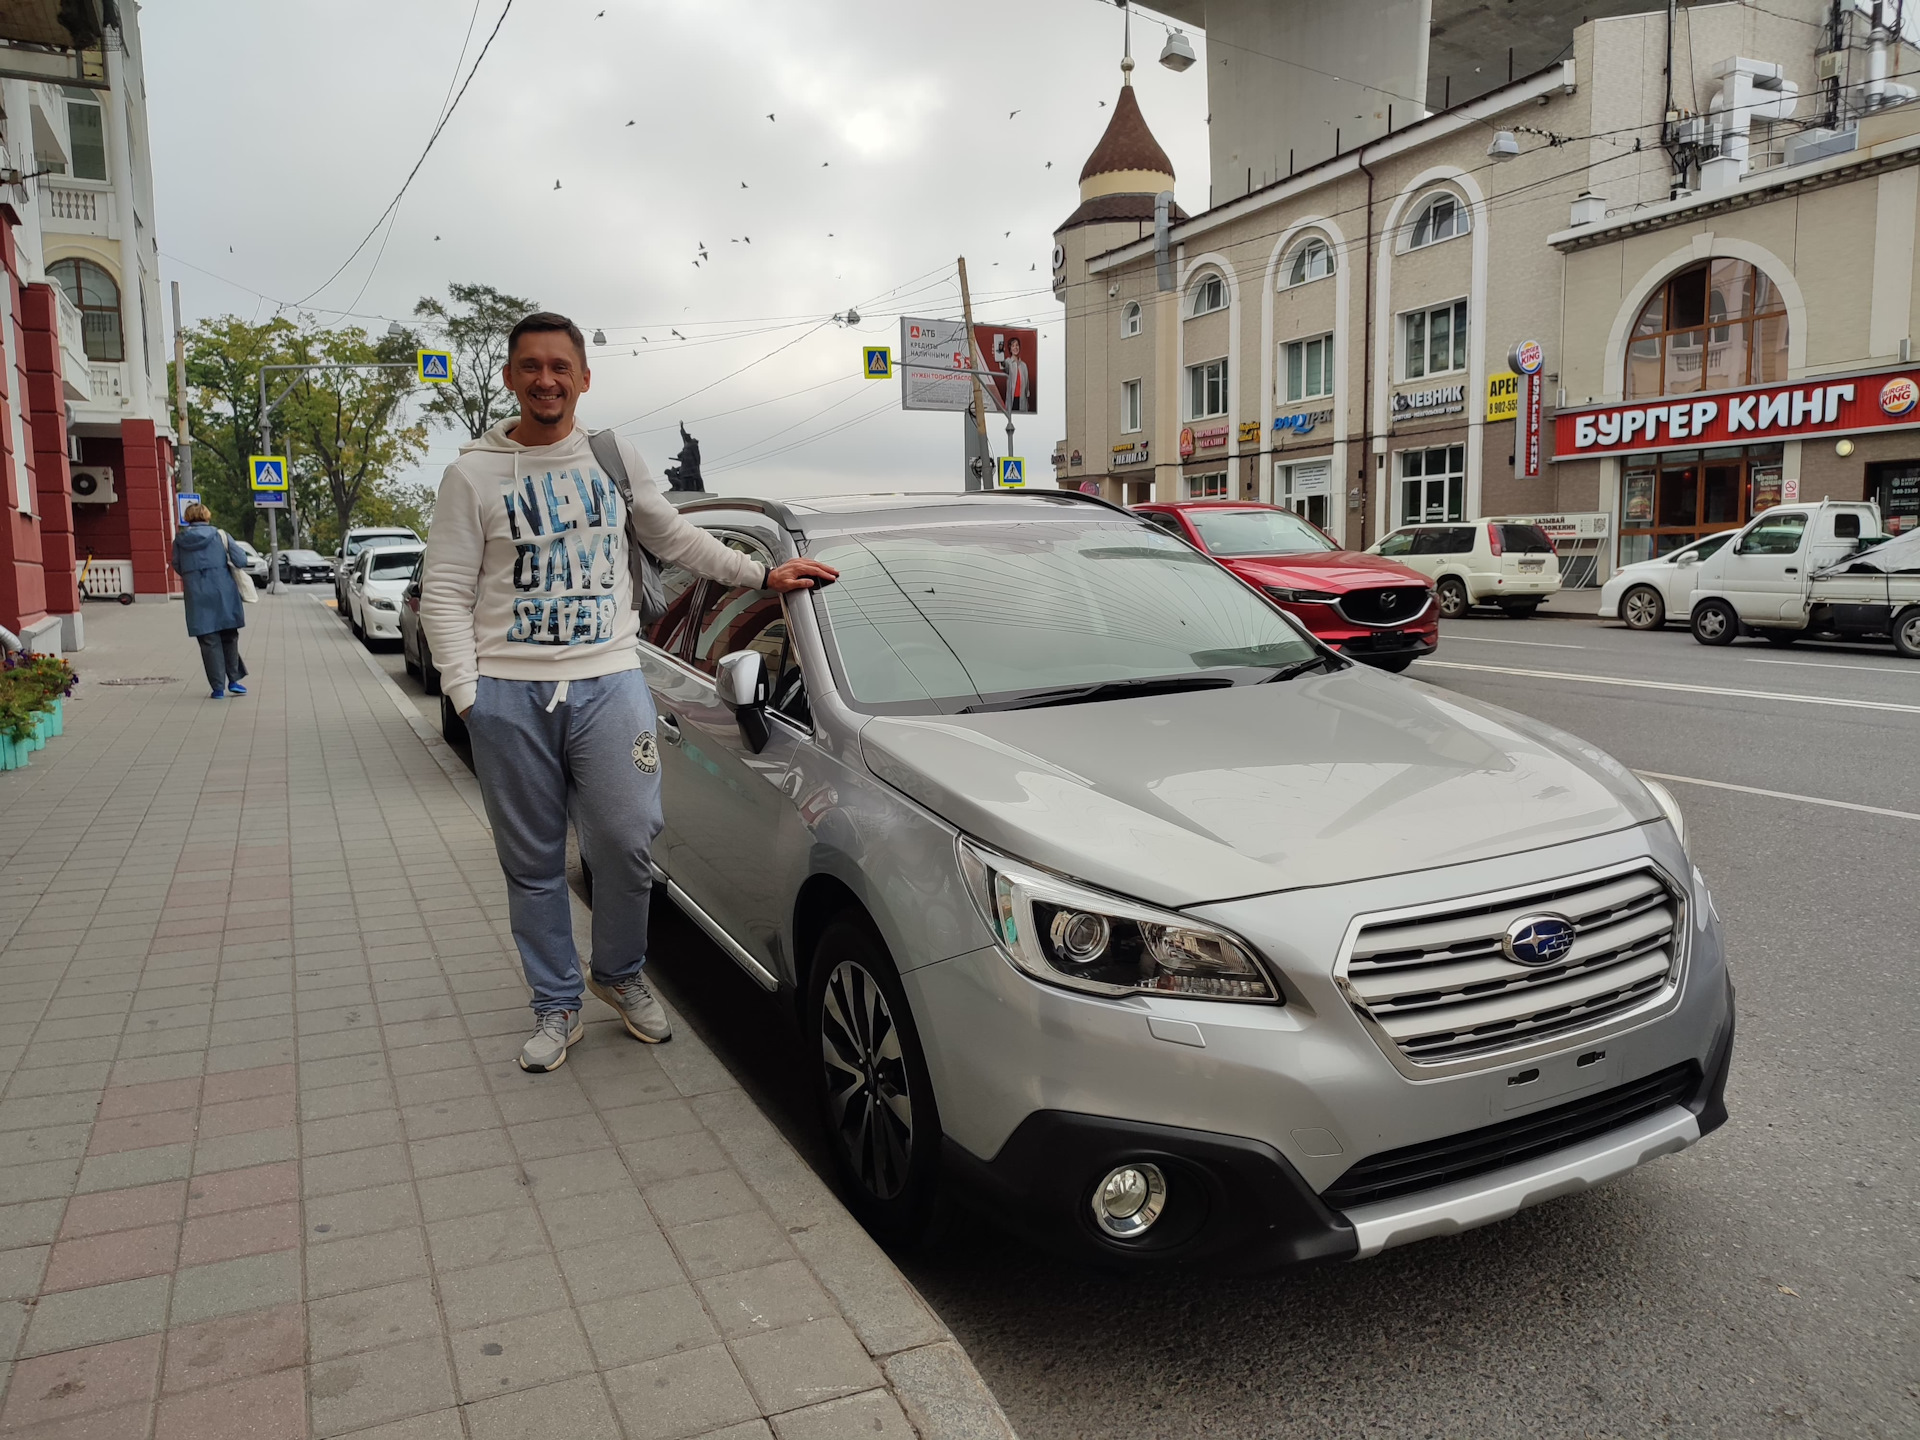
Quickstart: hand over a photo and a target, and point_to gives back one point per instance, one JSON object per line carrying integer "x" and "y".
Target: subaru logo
{"x": 1538, "y": 939}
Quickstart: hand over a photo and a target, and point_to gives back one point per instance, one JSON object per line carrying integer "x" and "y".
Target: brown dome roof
{"x": 1128, "y": 143}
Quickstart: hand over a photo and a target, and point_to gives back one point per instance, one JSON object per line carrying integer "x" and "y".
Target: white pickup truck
{"x": 1803, "y": 570}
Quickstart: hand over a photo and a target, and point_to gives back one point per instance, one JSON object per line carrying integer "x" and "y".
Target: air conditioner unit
{"x": 93, "y": 485}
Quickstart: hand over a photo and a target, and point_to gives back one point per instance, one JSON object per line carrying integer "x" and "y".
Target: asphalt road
{"x": 1764, "y": 1283}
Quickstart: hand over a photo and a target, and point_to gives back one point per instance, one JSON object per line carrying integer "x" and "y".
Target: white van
{"x": 1787, "y": 575}
{"x": 1479, "y": 562}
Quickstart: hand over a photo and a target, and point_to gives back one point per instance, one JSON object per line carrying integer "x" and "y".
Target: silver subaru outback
{"x": 1109, "y": 899}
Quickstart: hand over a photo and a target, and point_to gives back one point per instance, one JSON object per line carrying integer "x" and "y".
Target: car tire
{"x": 1715, "y": 622}
{"x": 1643, "y": 608}
{"x": 1906, "y": 632}
{"x": 1454, "y": 600}
{"x": 1782, "y": 637}
{"x": 868, "y": 1068}
{"x": 429, "y": 672}
{"x": 1521, "y": 610}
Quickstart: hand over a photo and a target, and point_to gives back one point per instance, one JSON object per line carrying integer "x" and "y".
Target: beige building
{"x": 1340, "y": 341}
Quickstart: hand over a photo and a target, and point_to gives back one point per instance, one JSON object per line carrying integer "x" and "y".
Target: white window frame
{"x": 1458, "y": 224}
{"x": 1287, "y": 349}
{"x": 1201, "y": 382}
{"x": 1458, "y": 352}
{"x": 1300, "y": 254}
{"x": 1455, "y": 469}
{"x": 1283, "y": 474}
{"x": 1130, "y": 320}
{"x": 68, "y": 99}
{"x": 1130, "y": 407}
{"x": 1199, "y": 487}
{"x": 1212, "y": 283}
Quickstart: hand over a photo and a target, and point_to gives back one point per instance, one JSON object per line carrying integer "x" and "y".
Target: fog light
{"x": 1129, "y": 1200}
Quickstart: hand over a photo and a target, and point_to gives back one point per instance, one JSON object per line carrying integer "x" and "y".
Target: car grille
{"x": 1385, "y": 604}
{"x": 1439, "y": 987}
{"x": 1414, "y": 1168}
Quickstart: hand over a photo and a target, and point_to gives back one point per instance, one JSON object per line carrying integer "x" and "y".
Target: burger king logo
{"x": 1527, "y": 357}
{"x": 1899, "y": 395}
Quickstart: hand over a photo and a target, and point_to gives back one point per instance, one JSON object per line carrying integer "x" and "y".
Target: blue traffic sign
{"x": 1013, "y": 472}
{"x": 435, "y": 367}
{"x": 267, "y": 472}
{"x": 878, "y": 360}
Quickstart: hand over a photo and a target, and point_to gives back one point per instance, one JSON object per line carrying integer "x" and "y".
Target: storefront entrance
{"x": 1670, "y": 500}
{"x": 1895, "y": 487}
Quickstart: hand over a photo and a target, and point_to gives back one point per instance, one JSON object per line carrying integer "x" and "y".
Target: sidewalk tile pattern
{"x": 267, "y": 1168}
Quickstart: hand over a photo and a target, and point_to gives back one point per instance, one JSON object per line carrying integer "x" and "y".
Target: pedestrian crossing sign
{"x": 1013, "y": 472}
{"x": 268, "y": 472}
{"x": 879, "y": 362}
{"x": 435, "y": 367}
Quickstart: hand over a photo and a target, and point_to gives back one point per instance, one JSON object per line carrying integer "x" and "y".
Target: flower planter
{"x": 48, "y": 723}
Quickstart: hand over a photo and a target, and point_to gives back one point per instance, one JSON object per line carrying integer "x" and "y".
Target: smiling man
{"x": 530, "y": 603}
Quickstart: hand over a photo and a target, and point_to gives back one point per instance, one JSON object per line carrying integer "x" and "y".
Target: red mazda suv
{"x": 1372, "y": 609}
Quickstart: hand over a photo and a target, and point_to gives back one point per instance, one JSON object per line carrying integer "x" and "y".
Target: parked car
{"x": 305, "y": 567}
{"x": 416, "y": 652}
{"x": 1646, "y": 592}
{"x": 1812, "y": 570}
{"x": 1376, "y": 610}
{"x": 1109, "y": 898}
{"x": 1480, "y": 562}
{"x": 257, "y": 564}
{"x": 361, "y": 538}
{"x": 374, "y": 588}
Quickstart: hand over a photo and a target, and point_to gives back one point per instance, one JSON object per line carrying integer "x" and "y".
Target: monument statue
{"x": 684, "y": 474}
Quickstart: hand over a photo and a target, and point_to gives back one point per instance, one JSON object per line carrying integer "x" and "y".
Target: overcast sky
{"x": 281, "y": 131}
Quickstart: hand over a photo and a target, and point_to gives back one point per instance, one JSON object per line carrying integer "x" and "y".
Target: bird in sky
{"x": 1012, "y": 113}
{"x": 1033, "y": 267}
{"x": 823, "y": 164}
{"x": 733, "y": 240}
{"x": 696, "y": 264}
{"x": 601, "y": 16}
{"x": 747, "y": 238}
{"x": 1103, "y": 104}
{"x": 436, "y": 237}
{"x": 769, "y": 115}
{"x": 743, "y": 184}
{"x": 629, "y": 126}
{"x": 556, "y": 184}
{"x": 1004, "y": 234}
{"x": 1049, "y": 163}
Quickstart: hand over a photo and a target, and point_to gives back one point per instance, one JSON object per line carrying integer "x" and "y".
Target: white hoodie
{"x": 527, "y": 576}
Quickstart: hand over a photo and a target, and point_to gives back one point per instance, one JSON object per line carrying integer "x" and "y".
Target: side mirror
{"x": 741, "y": 682}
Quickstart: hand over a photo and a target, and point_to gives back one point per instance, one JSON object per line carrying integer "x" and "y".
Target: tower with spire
{"x": 1118, "y": 185}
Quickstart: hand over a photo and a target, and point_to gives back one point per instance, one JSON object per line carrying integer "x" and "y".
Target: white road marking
{"x": 1673, "y": 685}
{"x": 1781, "y": 795}
{"x": 1536, "y": 644}
{"x": 1908, "y": 671}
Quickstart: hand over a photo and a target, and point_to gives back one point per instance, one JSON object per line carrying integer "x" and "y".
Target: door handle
{"x": 670, "y": 729}
{"x": 1793, "y": 570}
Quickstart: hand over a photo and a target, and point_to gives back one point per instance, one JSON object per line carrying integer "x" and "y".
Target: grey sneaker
{"x": 634, "y": 1003}
{"x": 547, "y": 1050}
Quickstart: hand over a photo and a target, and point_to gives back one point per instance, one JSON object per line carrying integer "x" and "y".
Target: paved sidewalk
{"x": 267, "y": 1168}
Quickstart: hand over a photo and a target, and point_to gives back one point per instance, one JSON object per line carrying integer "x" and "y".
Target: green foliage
{"x": 224, "y": 357}
{"x": 343, "y": 426}
{"x": 28, "y": 687}
{"x": 475, "y": 327}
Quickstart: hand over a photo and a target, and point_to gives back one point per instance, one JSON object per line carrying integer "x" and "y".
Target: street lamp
{"x": 1177, "y": 54}
{"x": 395, "y": 330}
{"x": 1504, "y": 146}
{"x": 599, "y": 337}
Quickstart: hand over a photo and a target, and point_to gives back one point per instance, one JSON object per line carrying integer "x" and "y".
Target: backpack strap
{"x": 640, "y": 562}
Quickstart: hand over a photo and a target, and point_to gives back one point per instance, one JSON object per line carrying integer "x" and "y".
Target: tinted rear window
{"x": 1525, "y": 540}
{"x": 1453, "y": 540}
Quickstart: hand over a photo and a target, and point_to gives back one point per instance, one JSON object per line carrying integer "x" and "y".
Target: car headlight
{"x": 1301, "y": 597}
{"x": 1067, "y": 935}
{"x": 377, "y": 603}
{"x": 1670, "y": 805}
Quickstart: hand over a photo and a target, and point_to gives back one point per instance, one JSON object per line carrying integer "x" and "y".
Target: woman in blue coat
{"x": 201, "y": 556}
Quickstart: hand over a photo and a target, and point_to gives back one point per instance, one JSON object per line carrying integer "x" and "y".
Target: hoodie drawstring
{"x": 559, "y": 696}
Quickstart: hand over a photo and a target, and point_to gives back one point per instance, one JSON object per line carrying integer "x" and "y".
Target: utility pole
{"x": 185, "y": 472}
{"x": 979, "y": 391}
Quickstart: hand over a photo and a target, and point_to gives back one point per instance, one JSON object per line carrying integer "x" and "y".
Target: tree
{"x": 224, "y": 357}
{"x": 345, "y": 422}
{"x": 476, "y": 328}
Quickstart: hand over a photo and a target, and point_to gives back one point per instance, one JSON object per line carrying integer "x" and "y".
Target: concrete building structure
{"x": 86, "y": 435}
{"x": 1339, "y": 341}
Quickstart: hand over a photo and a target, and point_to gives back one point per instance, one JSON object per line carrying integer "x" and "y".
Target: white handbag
{"x": 242, "y": 581}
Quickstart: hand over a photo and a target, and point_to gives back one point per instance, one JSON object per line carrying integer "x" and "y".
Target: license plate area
{"x": 1533, "y": 565}
{"x": 1556, "y": 1078}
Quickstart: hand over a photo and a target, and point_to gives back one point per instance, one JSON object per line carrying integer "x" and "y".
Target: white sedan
{"x": 374, "y": 588}
{"x": 1646, "y": 593}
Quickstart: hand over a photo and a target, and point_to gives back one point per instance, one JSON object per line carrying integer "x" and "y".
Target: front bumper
{"x": 1374, "y": 644}
{"x": 380, "y": 624}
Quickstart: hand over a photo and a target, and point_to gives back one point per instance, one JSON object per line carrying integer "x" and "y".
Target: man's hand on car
{"x": 800, "y": 575}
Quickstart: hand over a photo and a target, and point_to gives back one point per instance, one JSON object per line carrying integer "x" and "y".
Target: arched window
{"x": 1311, "y": 260}
{"x": 93, "y": 290}
{"x": 1717, "y": 325}
{"x": 1130, "y": 320}
{"x": 1441, "y": 218}
{"x": 1209, "y": 295}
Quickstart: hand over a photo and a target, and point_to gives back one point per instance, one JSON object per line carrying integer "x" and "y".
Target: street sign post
{"x": 267, "y": 472}
{"x": 1013, "y": 472}
{"x": 182, "y": 501}
{"x": 877, "y": 362}
{"x": 434, "y": 367}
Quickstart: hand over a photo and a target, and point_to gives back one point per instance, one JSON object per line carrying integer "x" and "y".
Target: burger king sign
{"x": 1831, "y": 405}
{"x": 1899, "y": 395}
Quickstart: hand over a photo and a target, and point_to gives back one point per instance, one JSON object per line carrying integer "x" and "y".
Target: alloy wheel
{"x": 1643, "y": 609}
{"x": 868, "y": 1094}
{"x": 1906, "y": 634}
{"x": 1453, "y": 599}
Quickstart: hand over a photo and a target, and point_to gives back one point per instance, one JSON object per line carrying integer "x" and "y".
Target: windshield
{"x": 934, "y": 620}
{"x": 1708, "y": 546}
{"x": 392, "y": 567}
{"x": 1257, "y": 532}
{"x": 379, "y": 542}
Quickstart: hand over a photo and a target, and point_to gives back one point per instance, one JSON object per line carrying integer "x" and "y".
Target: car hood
{"x": 385, "y": 589}
{"x": 1186, "y": 799}
{"x": 1327, "y": 570}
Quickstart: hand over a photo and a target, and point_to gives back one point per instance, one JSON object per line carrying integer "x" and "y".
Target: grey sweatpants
{"x": 594, "y": 756}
